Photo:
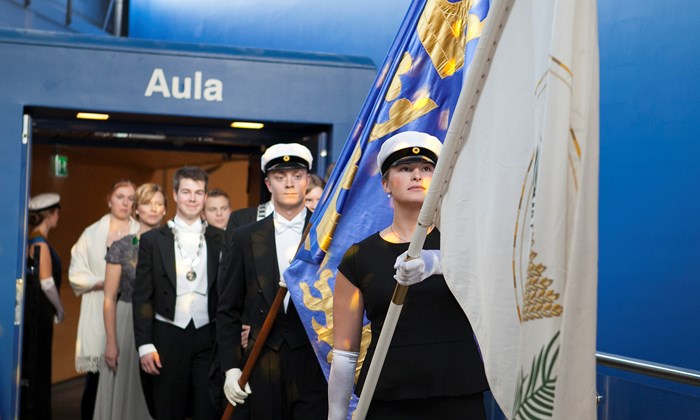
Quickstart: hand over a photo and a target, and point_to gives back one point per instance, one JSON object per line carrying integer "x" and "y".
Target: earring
{"x": 388, "y": 195}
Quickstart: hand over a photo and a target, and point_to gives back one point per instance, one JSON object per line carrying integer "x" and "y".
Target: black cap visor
{"x": 286, "y": 162}
{"x": 409, "y": 155}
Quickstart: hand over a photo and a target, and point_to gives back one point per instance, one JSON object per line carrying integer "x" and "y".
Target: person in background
{"x": 433, "y": 368}
{"x": 119, "y": 393}
{"x": 217, "y": 208}
{"x": 314, "y": 191}
{"x": 87, "y": 275}
{"x": 42, "y": 307}
{"x": 175, "y": 298}
{"x": 287, "y": 382}
{"x": 248, "y": 215}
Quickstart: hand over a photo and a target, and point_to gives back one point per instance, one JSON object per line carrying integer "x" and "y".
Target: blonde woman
{"x": 119, "y": 394}
{"x": 432, "y": 368}
{"x": 86, "y": 274}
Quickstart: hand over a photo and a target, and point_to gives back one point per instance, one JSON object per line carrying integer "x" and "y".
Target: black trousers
{"x": 288, "y": 384}
{"x": 182, "y": 386}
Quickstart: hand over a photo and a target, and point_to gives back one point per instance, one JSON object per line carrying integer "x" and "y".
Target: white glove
{"x": 418, "y": 269}
{"x": 283, "y": 283}
{"x": 340, "y": 383}
{"x": 232, "y": 390}
{"x": 49, "y": 288}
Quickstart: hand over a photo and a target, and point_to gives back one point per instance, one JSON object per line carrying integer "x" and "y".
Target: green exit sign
{"x": 60, "y": 166}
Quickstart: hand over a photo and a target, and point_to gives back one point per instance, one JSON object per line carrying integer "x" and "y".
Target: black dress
{"x": 35, "y": 391}
{"x": 433, "y": 368}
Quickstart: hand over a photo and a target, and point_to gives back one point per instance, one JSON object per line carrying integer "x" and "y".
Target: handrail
{"x": 658, "y": 370}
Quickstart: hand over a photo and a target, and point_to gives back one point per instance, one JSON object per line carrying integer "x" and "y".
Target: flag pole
{"x": 257, "y": 347}
{"x": 262, "y": 336}
{"x": 454, "y": 143}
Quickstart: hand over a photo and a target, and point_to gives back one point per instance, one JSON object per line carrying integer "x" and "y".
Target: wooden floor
{"x": 65, "y": 399}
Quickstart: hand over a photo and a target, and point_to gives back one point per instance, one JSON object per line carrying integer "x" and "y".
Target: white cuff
{"x": 146, "y": 349}
{"x": 47, "y": 283}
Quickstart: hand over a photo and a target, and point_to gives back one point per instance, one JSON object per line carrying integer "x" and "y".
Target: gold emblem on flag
{"x": 535, "y": 297}
{"x": 444, "y": 29}
{"x": 324, "y": 304}
{"x": 539, "y": 301}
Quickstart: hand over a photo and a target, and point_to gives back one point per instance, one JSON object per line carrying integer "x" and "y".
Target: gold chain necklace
{"x": 391, "y": 226}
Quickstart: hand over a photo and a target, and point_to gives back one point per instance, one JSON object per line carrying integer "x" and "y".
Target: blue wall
{"x": 358, "y": 27}
{"x": 649, "y": 281}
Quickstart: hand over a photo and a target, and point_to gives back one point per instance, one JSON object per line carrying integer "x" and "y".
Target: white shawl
{"x": 87, "y": 267}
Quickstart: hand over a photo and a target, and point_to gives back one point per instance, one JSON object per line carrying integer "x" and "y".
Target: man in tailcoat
{"x": 174, "y": 301}
{"x": 287, "y": 381}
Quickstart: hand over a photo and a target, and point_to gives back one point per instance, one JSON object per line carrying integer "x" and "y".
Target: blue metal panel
{"x": 649, "y": 202}
{"x": 359, "y": 27}
{"x": 12, "y": 250}
{"x": 113, "y": 75}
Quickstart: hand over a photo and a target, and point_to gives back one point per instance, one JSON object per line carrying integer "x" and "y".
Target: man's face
{"x": 287, "y": 187}
{"x": 217, "y": 211}
{"x": 189, "y": 199}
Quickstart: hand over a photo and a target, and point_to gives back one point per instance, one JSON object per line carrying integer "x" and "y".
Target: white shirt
{"x": 191, "y": 301}
{"x": 287, "y": 237}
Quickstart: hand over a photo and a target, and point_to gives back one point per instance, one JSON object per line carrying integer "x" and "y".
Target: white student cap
{"x": 409, "y": 146}
{"x": 44, "y": 202}
{"x": 286, "y": 156}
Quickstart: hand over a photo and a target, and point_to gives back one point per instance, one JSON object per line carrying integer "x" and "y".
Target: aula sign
{"x": 178, "y": 87}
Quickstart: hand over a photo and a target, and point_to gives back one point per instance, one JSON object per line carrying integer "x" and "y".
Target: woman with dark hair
{"x": 314, "y": 190}
{"x": 87, "y": 276}
{"x": 42, "y": 307}
{"x": 119, "y": 394}
{"x": 432, "y": 368}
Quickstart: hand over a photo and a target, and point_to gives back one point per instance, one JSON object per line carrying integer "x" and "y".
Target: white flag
{"x": 519, "y": 217}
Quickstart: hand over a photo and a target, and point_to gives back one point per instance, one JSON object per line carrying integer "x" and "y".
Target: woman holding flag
{"x": 433, "y": 368}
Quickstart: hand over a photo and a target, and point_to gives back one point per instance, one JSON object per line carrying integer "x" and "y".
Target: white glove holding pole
{"x": 234, "y": 393}
{"x": 49, "y": 288}
{"x": 340, "y": 383}
{"x": 418, "y": 269}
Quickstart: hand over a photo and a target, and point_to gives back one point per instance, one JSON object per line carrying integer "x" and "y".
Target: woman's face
{"x": 53, "y": 218}
{"x": 121, "y": 202}
{"x": 152, "y": 212}
{"x": 408, "y": 183}
{"x": 312, "y": 197}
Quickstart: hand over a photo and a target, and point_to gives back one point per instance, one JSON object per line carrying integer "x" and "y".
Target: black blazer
{"x": 248, "y": 282}
{"x": 156, "y": 281}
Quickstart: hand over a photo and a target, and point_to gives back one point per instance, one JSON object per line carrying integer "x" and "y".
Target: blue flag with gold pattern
{"x": 416, "y": 89}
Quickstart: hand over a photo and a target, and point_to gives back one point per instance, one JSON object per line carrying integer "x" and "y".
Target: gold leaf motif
{"x": 538, "y": 300}
{"x": 395, "y": 88}
{"x": 441, "y": 31}
{"x": 401, "y": 113}
{"x": 329, "y": 221}
{"x": 325, "y": 304}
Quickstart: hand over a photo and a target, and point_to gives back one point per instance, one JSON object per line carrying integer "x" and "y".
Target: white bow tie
{"x": 282, "y": 224}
